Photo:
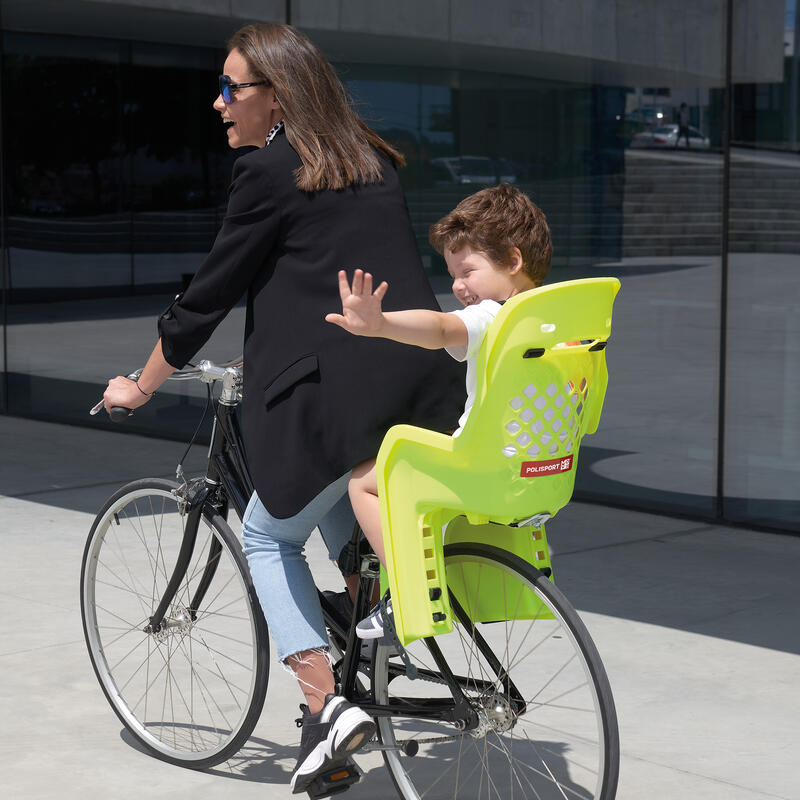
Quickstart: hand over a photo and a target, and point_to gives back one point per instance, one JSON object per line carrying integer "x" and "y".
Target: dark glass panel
{"x": 68, "y": 226}
{"x": 416, "y": 116}
{"x": 762, "y": 465}
{"x": 179, "y": 161}
{"x": 657, "y": 439}
{"x": 64, "y": 166}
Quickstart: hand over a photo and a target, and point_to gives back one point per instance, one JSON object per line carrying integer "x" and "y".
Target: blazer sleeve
{"x": 241, "y": 248}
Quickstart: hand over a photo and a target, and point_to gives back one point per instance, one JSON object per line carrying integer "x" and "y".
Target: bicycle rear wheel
{"x": 547, "y": 724}
{"x": 192, "y": 693}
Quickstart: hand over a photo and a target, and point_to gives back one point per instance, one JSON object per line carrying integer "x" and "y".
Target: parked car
{"x": 471, "y": 169}
{"x": 667, "y": 136}
{"x": 505, "y": 169}
{"x": 649, "y": 116}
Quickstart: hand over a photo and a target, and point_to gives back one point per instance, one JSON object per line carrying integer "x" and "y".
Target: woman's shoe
{"x": 336, "y": 731}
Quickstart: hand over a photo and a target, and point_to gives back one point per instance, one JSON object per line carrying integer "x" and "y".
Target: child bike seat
{"x": 541, "y": 380}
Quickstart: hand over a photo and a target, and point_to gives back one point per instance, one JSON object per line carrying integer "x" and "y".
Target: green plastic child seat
{"x": 541, "y": 380}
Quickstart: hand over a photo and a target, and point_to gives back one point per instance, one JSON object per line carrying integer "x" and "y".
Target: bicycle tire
{"x": 565, "y": 741}
{"x": 192, "y": 693}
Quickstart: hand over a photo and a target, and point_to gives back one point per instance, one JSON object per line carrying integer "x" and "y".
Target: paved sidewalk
{"x": 699, "y": 627}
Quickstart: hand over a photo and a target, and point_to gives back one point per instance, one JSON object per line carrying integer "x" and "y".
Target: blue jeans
{"x": 278, "y": 566}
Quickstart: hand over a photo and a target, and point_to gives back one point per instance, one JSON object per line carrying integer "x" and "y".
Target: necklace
{"x": 273, "y": 132}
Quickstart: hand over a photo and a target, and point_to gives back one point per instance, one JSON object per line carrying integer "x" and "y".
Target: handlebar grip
{"x": 119, "y": 413}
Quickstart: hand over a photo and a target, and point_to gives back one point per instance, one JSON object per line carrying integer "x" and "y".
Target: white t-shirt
{"x": 477, "y": 320}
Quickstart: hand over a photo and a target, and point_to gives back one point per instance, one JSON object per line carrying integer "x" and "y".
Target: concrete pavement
{"x": 698, "y": 626}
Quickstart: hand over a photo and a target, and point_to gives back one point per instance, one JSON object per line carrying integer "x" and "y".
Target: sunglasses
{"x": 228, "y": 89}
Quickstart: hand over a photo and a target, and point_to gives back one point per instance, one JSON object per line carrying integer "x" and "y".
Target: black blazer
{"x": 317, "y": 400}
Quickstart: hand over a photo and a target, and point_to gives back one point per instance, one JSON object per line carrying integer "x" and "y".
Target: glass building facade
{"x": 661, "y": 140}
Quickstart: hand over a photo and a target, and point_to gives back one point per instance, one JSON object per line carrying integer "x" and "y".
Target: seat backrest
{"x": 542, "y": 377}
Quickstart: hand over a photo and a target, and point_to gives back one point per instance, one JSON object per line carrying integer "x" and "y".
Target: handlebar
{"x": 206, "y": 371}
{"x": 119, "y": 413}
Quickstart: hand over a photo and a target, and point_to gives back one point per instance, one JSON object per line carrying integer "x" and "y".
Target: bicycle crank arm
{"x": 409, "y": 746}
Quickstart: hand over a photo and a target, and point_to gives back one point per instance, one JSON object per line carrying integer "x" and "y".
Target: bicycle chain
{"x": 435, "y": 739}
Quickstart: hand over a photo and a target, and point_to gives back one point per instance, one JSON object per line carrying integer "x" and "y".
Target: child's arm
{"x": 362, "y": 315}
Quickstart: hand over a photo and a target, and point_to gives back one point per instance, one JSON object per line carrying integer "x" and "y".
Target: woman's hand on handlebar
{"x": 124, "y": 393}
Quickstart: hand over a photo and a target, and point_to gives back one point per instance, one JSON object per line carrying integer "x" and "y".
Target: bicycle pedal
{"x": 338, "y": 778}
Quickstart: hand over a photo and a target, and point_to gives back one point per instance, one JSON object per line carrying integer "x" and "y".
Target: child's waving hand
{"x": 361, "y": 307}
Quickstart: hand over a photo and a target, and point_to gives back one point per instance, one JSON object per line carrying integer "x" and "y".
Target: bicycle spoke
{"x": 203, "y": 685}
{"x": 116, "y": 616}
{"x": 125, "y": 564}
{"x": 123, "y": 588}
{"x": 221, "y": 590}
{"x": 517, "y": 773}
{"x": 226, "y": 637}
{"x": 202, "y": 614}
{"x": 563, "y": 789}
{"x": 218, "y": 612}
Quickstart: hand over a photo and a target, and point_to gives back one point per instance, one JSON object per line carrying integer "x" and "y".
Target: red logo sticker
{"x": 532, "y": 469}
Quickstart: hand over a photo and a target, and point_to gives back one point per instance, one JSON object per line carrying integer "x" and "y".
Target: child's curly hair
{"x": 494, "y": 221}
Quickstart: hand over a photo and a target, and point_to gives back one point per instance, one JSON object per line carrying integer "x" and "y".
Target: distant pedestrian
{"x": 683, "y": 125}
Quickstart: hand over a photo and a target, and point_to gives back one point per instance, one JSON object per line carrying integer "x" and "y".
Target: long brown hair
{"x": 334, "y": 144}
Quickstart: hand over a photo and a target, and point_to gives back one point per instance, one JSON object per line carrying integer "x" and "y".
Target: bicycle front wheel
{"x": 547, "y": 726}
{"x": 191, "y": 693}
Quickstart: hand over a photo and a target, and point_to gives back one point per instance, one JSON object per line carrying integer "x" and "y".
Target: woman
{"x": 320, "y": 193}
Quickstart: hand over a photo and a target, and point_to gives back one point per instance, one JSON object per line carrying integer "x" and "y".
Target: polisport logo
{"x": 533, "y": 469}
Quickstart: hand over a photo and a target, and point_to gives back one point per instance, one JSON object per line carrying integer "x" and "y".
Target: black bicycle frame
{"x": 228, "y": 480}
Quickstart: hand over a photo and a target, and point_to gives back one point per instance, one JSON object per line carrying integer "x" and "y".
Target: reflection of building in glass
{"x": 115, "y": 174}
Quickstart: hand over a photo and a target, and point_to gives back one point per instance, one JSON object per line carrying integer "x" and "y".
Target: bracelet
{"x": 143, "y": 391}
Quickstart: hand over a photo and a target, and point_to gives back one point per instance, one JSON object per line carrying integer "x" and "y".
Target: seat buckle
{"x": 536, "y": 521}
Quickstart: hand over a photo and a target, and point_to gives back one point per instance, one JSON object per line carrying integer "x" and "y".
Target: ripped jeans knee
{"x": 303, "y": 659}
{"x": 309, "y": 672}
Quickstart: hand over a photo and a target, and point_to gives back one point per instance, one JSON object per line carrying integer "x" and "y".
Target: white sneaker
{"x": 371, "y": 627}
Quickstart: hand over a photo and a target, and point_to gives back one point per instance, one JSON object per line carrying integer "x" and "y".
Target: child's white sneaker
{"x": 371, "y": 627}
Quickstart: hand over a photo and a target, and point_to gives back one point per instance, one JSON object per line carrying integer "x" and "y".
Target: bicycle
{"x": 515, "y": 707}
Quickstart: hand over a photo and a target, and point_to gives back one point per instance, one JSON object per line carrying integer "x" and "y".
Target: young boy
{"x": 496, "y": 243}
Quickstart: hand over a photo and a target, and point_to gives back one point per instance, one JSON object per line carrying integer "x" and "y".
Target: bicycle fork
{"x": 196, "y": 504}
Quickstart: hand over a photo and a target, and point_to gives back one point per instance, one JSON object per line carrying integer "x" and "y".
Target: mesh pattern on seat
{"x": 545, "y": 423}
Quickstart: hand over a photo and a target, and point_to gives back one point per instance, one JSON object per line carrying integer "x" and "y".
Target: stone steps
{"x": 675, "y": 209}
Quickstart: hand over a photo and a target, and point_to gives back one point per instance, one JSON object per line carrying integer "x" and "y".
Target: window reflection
{"x": 65, "y": 173}
{"x": 623, "y": 197}
{"x": 116, "y": 174}
{"x": 179, "y": 162}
